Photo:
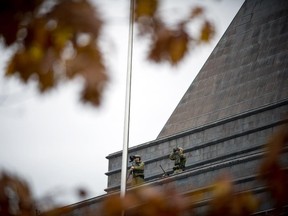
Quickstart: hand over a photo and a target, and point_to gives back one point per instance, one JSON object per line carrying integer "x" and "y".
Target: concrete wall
{"x": 238, "y": 99}
{"x": 231, "y": 138}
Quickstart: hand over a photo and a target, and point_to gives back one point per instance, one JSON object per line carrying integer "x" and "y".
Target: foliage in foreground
{"x": 59, "y": 40}
{"x": 16, "y": 198}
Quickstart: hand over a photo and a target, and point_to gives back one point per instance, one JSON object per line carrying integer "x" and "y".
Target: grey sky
{"x": 58, "y": 144}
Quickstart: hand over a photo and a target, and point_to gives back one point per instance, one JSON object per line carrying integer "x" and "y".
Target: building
{"x": 224, "y": 120}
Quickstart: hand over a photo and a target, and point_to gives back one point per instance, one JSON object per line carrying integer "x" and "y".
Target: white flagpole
{"x": 127, "y": 104}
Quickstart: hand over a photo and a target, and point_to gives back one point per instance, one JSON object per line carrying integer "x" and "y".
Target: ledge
{"x": 204, "y": 127}
{"x": 213, "y": 143}
{"x": 204, "y": 168}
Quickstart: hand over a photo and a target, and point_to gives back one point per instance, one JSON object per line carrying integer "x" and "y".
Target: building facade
{"x": 225, "y": 118}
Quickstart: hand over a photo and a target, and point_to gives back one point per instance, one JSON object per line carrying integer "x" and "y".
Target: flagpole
{"x": 127, "y": 104}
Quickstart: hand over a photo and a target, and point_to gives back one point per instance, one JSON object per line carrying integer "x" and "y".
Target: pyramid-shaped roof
{"x": 247, "y": 69}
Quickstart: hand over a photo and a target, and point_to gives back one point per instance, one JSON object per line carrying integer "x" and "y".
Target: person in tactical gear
{"x": 180, "y": 160}
{"x": 137, "y": 170}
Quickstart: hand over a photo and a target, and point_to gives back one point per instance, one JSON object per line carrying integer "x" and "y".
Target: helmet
{"x": 137, "y": 156}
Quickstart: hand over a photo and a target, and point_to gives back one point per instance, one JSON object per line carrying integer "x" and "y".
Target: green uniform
{"x": 138, "y": 173}
{"x": 180, "y": 161}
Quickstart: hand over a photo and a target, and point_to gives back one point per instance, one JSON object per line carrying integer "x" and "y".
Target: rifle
{"x": 165, "y": 173}
{"x": 128, "y": 175}
{"x": 130, "y": 170}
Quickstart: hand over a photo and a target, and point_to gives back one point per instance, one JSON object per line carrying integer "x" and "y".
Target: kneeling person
{"x": 137, "y": 170}
{"x": 179, "y": 160}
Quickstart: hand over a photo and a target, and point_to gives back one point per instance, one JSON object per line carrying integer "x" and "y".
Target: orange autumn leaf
{"x": 178, "y": 47}
{"x": 196, "y": 11}
{"x": 271, "y": 171}
{"x": 145, "y": 8}
{"x": 207, "y": 32}
{"x": 159, "y": 49}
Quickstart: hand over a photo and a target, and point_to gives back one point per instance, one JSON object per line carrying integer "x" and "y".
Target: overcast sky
{"x": 58, "y": 144}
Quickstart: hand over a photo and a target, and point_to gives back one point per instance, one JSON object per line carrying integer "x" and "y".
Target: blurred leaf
{"x": 14, "y": 12}
{"x": 58, "y": 211}
{"x": 178, "y": 46}
{"x": 168, "y": 44}
{"x": 15, "y": 197}
{"x": 35, "y": 52}
{"x": 159, "y": 49}
{"x": 145, "y": 8}
{"x": 226, "y": 202}
{"x": 88, "y": 64}
{"x": 271, "y": 171}
{"x": 46, "y": 81}
{"x": 80, "y": 16}
{"x": 145, "y": 201}
{"x": 243, "y": 204}
{"x": 24, "y": 64}
{"x": 222, "y": 193}
{"x": 112, "y": 205}
{"x": 196, "y": 11}
{"x": 9, "y": 32}
{"x": 46, "y": 37}
{"x": 207, "y": 32}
